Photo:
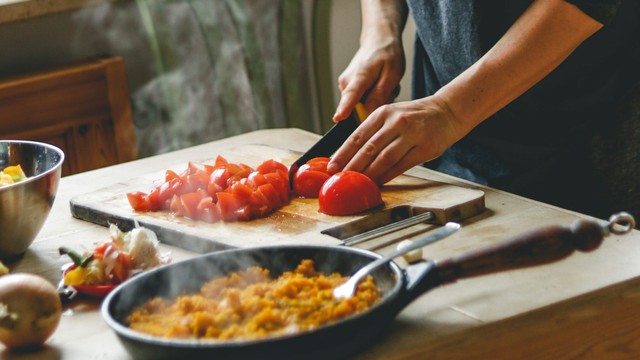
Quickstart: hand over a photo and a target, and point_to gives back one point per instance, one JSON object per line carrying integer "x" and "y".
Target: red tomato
{"x": 220, "y": 176}
{"x": 220, "y": 161}
{"x": 256, "y": 179}
{"x": 280, "y": 184}
{"x": 170, "y": 175}
{"x": 242, "y": 191}
{"x": 190, "y": 203}
{"x": 138, "y": 201}
{"x": 121, "y": 268}
{"x": 271, "y": 166}
{"x": 222, "y": 191}
{"x": 175, "y": 206}
{"x": 228, "y": 204}
{"x": 98, "y": 252}
{"x": 260, "y": 204}
{"x": 167, "y": 189}
{"x": 307, "y": 182}
{"x": 270, "y": 193}
{"x": 198, "y": 178}
{"x": 348, "y": 192}
{"x": 207, "y": 210}
{"x": 154, "y": 201}
{"x": 309, "y": 178}
{"x": 319, "y": 163}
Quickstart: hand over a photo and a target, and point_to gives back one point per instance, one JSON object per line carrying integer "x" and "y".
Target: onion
{"x": 30, "y": 310}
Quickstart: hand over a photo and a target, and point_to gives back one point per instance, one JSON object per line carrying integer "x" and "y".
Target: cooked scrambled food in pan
{"x": 250, "y": 304}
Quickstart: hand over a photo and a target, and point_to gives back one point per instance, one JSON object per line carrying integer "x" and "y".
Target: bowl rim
{"x": 34, "y": 178}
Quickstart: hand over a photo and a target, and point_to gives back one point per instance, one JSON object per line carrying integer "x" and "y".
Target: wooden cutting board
{"x": 299, "y": 222}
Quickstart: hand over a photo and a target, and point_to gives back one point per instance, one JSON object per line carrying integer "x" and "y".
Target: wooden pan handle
{"x": 537, "y": 247}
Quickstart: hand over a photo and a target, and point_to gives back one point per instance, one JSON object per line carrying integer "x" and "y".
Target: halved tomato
{"x": 310, "y": 176}
{"x": 347, "y": 193}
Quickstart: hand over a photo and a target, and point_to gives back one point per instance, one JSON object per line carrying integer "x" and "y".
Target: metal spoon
{"x": 347, "y": 289}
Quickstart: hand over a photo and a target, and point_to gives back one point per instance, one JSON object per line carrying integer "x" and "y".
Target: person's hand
{"x": 372, "y": 76}
{"x": 396, "y": 137}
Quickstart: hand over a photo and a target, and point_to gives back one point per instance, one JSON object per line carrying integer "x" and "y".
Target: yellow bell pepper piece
{"x": 76, "y": 276}
{"x": 15, "y": 172}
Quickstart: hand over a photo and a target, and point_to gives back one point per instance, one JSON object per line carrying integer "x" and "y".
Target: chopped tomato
{"x": 220, "y": 161}
{"x": 241, "y": 191}
{"x": 347, "y": 193}
{"x": 280, "y": 184}
{"x": 154, "y": 201}
{"x": 121, "y": 267}
{"x": 192, "y": 168}
{"x": 243, "y": 213}
{"x": 270, "y": 193}
{"x": 222, "y": 191}
{"x": 220, "y": 176}
{"x": 190, "y": 201}
{"x": 228, "y": 204}
{"x": 260, "y": 204}
{"x": 271, "y": 166}
{"x": 207, "y": 210}
{"x": 138, "y": 201}
{"x": 98, "y": 252}
{"x": 255, "y": 179}
{"x": 199, "y": 178}
{"x": 170, "y": 175}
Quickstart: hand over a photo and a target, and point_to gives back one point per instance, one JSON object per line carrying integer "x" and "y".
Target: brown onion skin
{"x": 37, "y": 305}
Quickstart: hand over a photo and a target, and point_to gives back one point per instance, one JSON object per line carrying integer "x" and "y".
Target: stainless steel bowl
{"x": 25, "y": 205}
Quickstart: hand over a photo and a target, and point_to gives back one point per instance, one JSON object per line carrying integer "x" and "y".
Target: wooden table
{"x": 583, "y": 307}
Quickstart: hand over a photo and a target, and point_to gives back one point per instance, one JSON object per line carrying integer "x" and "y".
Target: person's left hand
{"x": 396, "y": 137}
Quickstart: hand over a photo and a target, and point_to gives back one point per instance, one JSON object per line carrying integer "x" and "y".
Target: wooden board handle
{"x": 537, "y": 247}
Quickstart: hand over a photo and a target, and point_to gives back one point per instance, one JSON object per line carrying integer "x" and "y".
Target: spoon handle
{"x": 448, "y": 229}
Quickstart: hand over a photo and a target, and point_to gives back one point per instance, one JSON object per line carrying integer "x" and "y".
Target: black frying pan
{"x": 344, "y": 338}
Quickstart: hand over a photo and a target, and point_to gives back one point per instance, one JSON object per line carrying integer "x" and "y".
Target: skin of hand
{"x": 378, "y": 66}
{"x": 396, "y": 137}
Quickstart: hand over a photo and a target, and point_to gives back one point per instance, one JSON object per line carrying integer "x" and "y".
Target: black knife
{"x": 331, "y": 141}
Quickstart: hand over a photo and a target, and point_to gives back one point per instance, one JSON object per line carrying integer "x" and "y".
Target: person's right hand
{"x": 398, "y": 136}
{"x": 373, "y": 74}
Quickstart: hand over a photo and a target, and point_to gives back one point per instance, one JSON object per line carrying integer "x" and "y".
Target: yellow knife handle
{"x": 362, "y": 113}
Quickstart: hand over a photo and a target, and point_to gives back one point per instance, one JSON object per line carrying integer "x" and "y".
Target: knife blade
{"x": 331, "y": 140}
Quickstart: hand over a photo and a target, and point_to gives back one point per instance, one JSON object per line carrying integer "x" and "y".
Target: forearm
{"x": 383, "y": 17}
{"x": 379, "y": 63}
{"x": 543, "y": 37}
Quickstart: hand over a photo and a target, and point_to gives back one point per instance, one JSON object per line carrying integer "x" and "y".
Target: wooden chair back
{"x": 84, "y": 109}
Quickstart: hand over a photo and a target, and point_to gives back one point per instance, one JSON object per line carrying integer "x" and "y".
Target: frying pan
{"x": 346, "y": 337}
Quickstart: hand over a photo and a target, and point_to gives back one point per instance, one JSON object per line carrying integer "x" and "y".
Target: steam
{"x": 198, "y": 70}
